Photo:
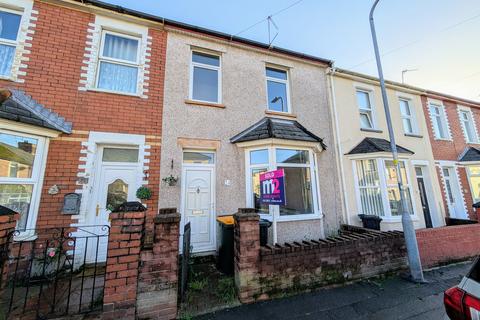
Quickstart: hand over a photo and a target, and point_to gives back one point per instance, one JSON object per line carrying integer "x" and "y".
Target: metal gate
{"x": 53, "y": 272}
{"x": 185, "y": 260}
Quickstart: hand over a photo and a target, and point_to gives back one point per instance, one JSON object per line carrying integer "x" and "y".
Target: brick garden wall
{"x": 445, "y": 245}
{"x": 264, "y": 272}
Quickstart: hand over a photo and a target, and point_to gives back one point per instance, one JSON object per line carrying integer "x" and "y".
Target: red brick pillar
{"x": 123, "y": 257}
{"x": 158, "y": 279}
{"x": 247, "y": 253}
{"x": 8, "y": 223}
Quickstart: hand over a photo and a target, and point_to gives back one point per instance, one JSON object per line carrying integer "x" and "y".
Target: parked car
{"x": 462, "y": 302}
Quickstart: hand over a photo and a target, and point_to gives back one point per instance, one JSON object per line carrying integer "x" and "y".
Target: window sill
{"x": 443, "y": 139}
{"x": 7, "y": 78}
{"x": 205, "y": 104}
{"x": 413, "y": 135}
{"x": 114, "y": 92}
{"x": 371, "y": 130}
{"x": 292, "y": 218}
{"x": 280, "y": 114}
{"x": 397, "y": 219}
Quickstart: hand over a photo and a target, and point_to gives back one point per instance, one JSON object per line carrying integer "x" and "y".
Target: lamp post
{"x": 274, "y": 100}
{"x": 414, "y": 262}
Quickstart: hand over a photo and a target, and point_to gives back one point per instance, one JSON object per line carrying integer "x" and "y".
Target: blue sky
{"x": 440, "y": 38}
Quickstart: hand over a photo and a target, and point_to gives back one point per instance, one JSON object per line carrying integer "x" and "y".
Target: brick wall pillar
{"x": 158, "y": 279}
{"x": 7, "y": 226}
{"x": 123, "y": 257}
{"x": 247, "y": 253}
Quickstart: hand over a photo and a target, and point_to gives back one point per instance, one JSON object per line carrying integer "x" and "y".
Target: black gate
{"x": 54, "y": 272}
{"x": 185, "y": 260}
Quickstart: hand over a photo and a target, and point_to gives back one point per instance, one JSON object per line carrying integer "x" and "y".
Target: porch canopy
{"x": 374, "y": 145}
{"x": 16, "y": 105}
{"x": 272, "y": 128}
{"x": 470, "y": 154}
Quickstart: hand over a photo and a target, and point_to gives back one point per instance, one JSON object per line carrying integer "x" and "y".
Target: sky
{"x": 438, "y": 38}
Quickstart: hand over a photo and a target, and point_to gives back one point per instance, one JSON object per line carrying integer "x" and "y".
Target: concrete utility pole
{"x": 415, "y": 265}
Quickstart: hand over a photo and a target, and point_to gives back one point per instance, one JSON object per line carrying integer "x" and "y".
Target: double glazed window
{"x": 439, "y": 121}
{"x": 9, "y": 29}
{"x": 300, "y": 182}
{"x": 474, "y": 180}
{"x": 205, "y": 81}
{"x": 378, "y": 189}
{"x": 277, "y": 90}
{"x": 20, "y": 170}
{"x": 118, "y": 63}
{"x": 408, "y": 117}
{"x": 468, "y": 126}
{"x": 366, "y": 109}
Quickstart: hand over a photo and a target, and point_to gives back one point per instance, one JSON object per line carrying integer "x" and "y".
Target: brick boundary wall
{"x": 265, "y": 272}
{"x": 158, "y": 279}
{"x": 123, "y": 261}
{"x": 7, "y": 226}
{"x": 440, "y": 246}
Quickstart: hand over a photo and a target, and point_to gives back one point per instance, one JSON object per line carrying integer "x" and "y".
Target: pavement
{"x": 391, "y": 298}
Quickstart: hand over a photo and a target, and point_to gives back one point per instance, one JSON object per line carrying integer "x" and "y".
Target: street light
{"x": 414, "y": 262}
{"x": 405, "y": 71}
{"x": 275, "y": 100}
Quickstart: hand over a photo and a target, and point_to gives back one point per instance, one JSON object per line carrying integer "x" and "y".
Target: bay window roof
{"x": 271, "y": 128}
{"x": 373, "y": 145}
{"x": 16, "y": 105}
{"x": 470, "y": 154}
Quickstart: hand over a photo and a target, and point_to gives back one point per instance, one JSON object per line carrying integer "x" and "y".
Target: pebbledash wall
{"x": 448, "y": 151}
{"x": 55, "y": 64}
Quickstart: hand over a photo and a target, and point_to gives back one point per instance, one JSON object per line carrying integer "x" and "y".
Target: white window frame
{"x": 12, "y": 43}
{"x": 443, "y": 119}
{"x": 286, "y": 82}
{"x": 381, "y": 167}
{"x": 465, "y": 110}
{"x": 206, "y": 66}
{"x": 412, "y": 117}
{"x": 36, "y": 180}
{"x": 272, "y": 165}
{"x": 361, "y": 110}
{"x": 102, "y": 58}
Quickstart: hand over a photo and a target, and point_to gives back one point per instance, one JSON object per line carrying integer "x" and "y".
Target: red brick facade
{"x": 451, "y": 150}
{"x": 53, "y": 75}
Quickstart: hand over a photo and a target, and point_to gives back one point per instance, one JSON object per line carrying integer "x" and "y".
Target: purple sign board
{"x": 272, "y": 187}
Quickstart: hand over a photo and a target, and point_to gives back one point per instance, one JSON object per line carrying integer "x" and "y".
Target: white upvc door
{"x": 453, "y": 194}
{"x": 198, "y": 205}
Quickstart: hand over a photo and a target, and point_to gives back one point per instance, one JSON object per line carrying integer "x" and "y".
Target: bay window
{"x": 300, "y": 181}
{"x": 9, "y": 29}
{"x": 377, "y": 188}
{"x": 474, "y": 180}
{"x": 118, "y": 63}
{"x": 21, "y": 160}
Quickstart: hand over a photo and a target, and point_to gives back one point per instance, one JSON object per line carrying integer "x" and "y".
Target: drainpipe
{"x": 336, "y": 137}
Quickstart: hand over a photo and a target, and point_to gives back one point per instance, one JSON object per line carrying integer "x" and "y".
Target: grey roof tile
{"x": 372, "y": 145}
{"x": 470, "y": 154}
{"x": 268, "y": 128}
{"x": 21, "y": 107}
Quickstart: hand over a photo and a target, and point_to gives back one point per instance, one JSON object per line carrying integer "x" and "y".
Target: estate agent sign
{"x": 272, "y": 187}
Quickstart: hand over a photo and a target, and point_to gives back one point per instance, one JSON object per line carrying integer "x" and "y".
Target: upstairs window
{"x": 9, "y": 29}
{"x": 277, "y": 90}
{"x": 468, "y": 126}
{"x": 408, "y": 118}
{"x": 205, "y": 78}
{"x": 439, "y": 121}
{"x": 366, "y": 110}
{"x": 118, "y": 63}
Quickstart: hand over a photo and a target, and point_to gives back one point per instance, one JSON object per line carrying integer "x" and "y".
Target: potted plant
{"x": 170, "y": 180}
{"x": 144, "y": 193}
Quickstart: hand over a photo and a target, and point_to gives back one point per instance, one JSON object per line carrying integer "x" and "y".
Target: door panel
{"x": 198, "y": 208}
{"x": 454, "y": 197}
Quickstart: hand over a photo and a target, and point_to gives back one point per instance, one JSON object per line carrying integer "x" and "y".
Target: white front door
{"x": 115, "y": 183}
{"x": 198, "y": 206}
{"x": 455, "y": 204}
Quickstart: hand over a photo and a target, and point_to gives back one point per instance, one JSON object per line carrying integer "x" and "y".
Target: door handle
{"x": 97, "y": 210}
